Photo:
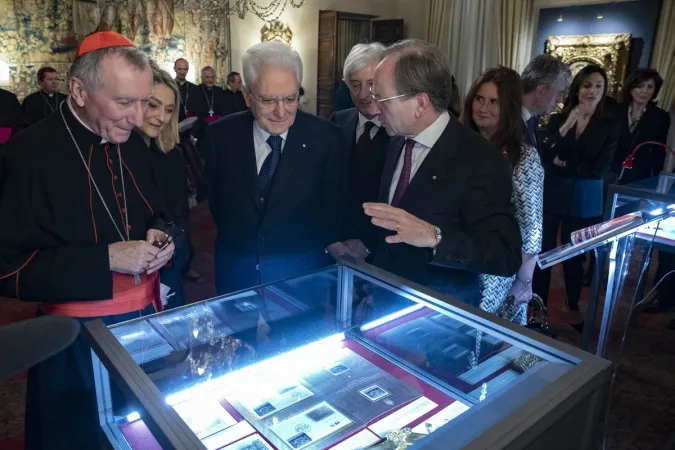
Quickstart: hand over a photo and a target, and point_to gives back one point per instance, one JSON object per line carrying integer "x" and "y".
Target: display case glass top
{"x": 653, "y": 194}
{"x": 334, "y": 359}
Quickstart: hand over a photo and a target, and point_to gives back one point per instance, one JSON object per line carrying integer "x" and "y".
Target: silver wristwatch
{"x": 439, "y": 235}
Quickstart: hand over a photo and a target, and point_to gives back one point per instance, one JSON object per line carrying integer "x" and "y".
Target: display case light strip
{"x": 134, "y": 416}
{"x": 297, "y": 361}
{"x": 390, "y": 317}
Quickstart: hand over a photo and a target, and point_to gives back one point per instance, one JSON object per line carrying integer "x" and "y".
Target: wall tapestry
{"x": 34, "y": 33}
{"x": 609, "y": 51}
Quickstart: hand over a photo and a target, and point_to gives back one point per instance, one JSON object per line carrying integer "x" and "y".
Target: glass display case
{"x": 653, "y": 194}
{"x": 347, "y": 357}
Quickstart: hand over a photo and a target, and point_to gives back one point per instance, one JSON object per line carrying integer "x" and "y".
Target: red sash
{"x": 5, "y": 134}
{"x": 127, "y": 297}
{"x": 213, "y": 118}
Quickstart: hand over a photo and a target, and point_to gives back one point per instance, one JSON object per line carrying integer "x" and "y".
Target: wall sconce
{"x": 600, "y": 16}
{"x": 560, "y": 18}
{"x": 276, "y": 31}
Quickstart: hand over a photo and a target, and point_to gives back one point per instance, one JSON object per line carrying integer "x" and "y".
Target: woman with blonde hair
{"x": 160, "y": 132}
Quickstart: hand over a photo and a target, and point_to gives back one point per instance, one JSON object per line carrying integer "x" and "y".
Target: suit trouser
{"x": 573, "y": 268}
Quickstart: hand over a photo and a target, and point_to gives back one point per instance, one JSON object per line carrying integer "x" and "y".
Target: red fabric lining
{"x": 20, "y": 268}
{"x": 137, "y": 189}
{"x": 112, "y": 182}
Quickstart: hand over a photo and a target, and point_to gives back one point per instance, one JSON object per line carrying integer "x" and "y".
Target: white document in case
{"x": 270, "y": 398}
{"x": 204, "y": 416}
{"x": 359, "y": 441}
{"x": 403, "y": 416}
{"x": 484, "y": 369}
{"x": 511, "y": 353}
{"x": 436, "y": 421}
{"x": 255, "y": 442}
{"x": 228, "y": 436}
{"x": 310, "y": 426}
{"x": 494, "y": 384}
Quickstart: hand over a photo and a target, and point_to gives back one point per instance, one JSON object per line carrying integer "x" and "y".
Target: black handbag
{"x": 538, "y": 320}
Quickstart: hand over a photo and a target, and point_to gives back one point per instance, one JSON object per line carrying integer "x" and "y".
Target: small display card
{"x": 436, "y": 421}
{"x": 255, "y": 442}
{"x": 310, "y": 426}
{"x": 403, "y": 417}
{"x": 204, "y": 416}
{"x": 264, "y": 403}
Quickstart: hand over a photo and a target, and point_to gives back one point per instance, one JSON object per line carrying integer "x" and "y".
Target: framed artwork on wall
{"x": 609, "y": 51}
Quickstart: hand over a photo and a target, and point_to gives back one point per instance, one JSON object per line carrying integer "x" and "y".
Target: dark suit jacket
{"x": 463, "y": 187}
{"x": 588, "y": 158}
{"x": 10, "y": 111}
{"x": 287, "y": 235}
{"x": 649, "y": 160}
{"x": 536, "y": 143}
{"x": 234, "y": 102}
{"x": 37, "y": 106}
{"x": 365, "y": 174}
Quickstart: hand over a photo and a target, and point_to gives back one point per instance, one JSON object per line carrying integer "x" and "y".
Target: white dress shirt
{"x": 423, "y": 143}
{"x": 526, "y": 114}
{"x": 262, "y": 148}
{"x": 361, "y": 127}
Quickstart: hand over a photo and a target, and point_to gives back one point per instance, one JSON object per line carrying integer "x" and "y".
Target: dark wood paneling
{"x": 326, "y": 62}
{"x": 387, "y": 31}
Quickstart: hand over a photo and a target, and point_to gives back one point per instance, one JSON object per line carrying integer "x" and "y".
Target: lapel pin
{"x": 434, "y": 177}
{"x": 303, "y": 146}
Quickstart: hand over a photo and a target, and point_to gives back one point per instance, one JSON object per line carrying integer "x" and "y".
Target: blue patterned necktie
{"x": 271, "y": 162}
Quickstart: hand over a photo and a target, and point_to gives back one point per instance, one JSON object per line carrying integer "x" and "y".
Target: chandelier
{"x": 268, "y": 13}
{"x": 217, "y": 9}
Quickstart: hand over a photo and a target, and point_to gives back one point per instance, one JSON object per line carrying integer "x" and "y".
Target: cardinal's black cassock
{"x": 65, "y": 195}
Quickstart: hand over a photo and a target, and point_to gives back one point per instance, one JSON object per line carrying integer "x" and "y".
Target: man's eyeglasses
{"x": 382, "y": 100}
{"x": 172, "y": 232}
{"x": 290, "y": 100}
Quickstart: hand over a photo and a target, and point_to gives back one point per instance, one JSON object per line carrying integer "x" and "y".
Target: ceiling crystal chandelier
{"x": 266, "y": 10}
{"x": 268, "y": 13}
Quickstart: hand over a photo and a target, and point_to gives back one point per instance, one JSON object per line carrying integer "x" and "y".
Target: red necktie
{"x": 406, "y": 171}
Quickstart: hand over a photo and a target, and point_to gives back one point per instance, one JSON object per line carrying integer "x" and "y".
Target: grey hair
{"x": 547, "y": 70}
{"x": 88, "y": 66}
{"x": 421, "y": 68}
{"x": 360, "y": 56}
{"x": 270, "y": 54}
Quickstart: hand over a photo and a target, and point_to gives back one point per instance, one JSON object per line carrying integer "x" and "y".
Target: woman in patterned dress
{"x": 493, "y": 107}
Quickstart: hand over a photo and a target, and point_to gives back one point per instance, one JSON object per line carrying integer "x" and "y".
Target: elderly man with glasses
{"x": 445, "y": 198}
{"x": 278, "y": 178}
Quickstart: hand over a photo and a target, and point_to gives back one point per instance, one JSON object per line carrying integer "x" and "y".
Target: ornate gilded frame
{"x": 610, "y": 51}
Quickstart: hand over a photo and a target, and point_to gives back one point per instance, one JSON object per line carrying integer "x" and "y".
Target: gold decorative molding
{"x": 609, "y": 51}
{"x": 276, "y": 31}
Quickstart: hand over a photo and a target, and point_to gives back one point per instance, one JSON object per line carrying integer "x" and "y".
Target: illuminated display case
{"x": 347, "y": 357}
{"x": 652, "y": 194}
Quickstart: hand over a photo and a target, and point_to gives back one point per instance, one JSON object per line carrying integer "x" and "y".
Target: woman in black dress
{"x": 578, "y": 150}
{"x": 640, "y": 120}
{"x": 160, "y": 132}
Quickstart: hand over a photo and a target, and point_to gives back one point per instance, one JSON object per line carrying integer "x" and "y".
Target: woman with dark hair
{"x": 578, "y": 150}
{"x": 493, "y": 108}
{"x": 640, "y": 120}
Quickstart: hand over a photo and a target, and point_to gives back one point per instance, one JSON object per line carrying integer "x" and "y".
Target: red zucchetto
{"x": 102, "y": 39}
